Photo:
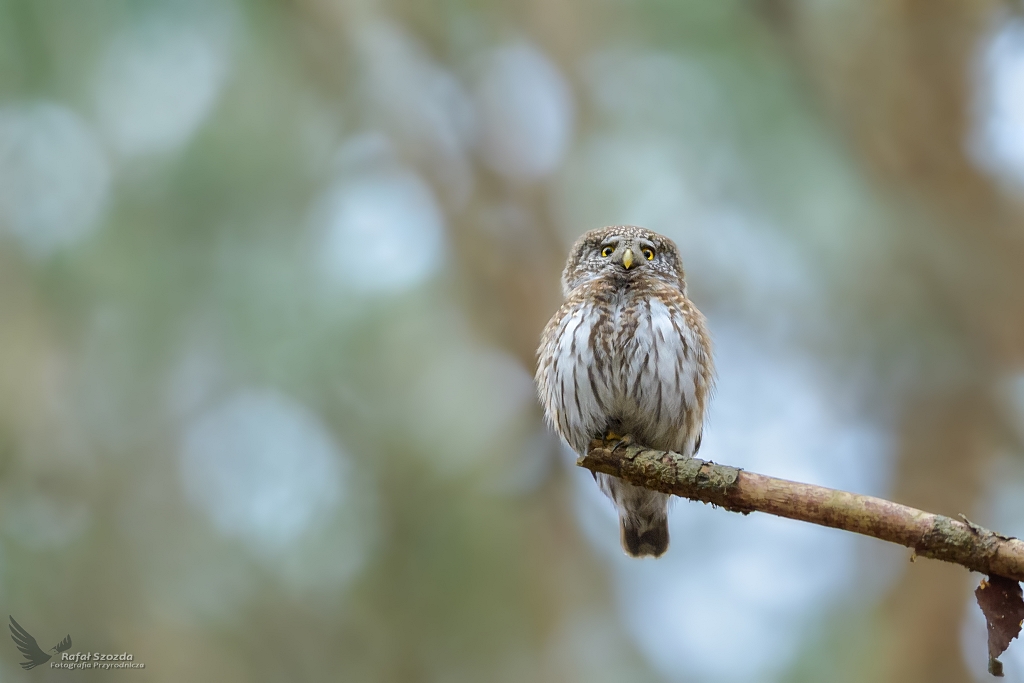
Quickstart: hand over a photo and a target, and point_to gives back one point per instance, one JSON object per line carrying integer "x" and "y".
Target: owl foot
{"x": 618, "y": 440}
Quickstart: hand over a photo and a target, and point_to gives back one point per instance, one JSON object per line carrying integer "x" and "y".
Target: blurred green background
{"x": 272, "y": 275}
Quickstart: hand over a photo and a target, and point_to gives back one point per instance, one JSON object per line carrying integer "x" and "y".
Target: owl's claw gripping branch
{"x": 930, "y": 535}
{"x": 617, "y": 441}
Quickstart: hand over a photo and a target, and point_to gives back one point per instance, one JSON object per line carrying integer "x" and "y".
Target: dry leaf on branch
{"x": 1000, "y": 600}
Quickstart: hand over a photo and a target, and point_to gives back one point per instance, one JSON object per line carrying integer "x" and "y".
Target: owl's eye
{"x": 649, "y": 254}
{"x": 607, "y": 251}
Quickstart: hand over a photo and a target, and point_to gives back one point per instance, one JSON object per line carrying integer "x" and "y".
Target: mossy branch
{"x": 930, "y": 535}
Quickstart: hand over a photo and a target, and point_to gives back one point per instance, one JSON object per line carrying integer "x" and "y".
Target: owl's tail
{"x": 643, "y": 516}
{"x": 644, "y": 535}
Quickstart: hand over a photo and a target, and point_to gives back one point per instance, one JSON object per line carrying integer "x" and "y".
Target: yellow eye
{"x": 607, "y": 251}
{"x": 649, "y": 254}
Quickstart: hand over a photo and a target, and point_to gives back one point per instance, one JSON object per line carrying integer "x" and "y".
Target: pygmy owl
{"x": 628, "y": 354}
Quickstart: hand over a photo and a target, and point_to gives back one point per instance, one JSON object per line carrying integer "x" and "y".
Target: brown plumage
{"x": 627, "y": 353}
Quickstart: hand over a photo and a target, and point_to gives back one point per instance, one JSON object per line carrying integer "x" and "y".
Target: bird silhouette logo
{"x": 34, "y": 655}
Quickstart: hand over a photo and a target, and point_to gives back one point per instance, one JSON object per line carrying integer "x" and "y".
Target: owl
{"x": 627, "y": 354}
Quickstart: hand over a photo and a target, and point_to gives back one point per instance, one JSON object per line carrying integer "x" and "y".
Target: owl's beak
{"x": 627, "y": 259}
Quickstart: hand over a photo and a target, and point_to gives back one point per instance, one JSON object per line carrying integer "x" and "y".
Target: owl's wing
{"x": 570, "y": 377}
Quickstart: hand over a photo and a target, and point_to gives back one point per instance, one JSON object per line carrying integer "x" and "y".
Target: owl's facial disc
{"x": 622, "y": 254}
{"x": 628, "y": 253}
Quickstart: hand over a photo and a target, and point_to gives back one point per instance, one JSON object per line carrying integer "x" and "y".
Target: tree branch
{"x": 930, "y": 535}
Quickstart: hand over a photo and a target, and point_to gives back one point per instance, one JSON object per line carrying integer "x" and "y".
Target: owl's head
{"x": 623, "y": 252}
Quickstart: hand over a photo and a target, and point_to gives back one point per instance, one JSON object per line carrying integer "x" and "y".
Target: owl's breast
{"x": 631, "y": 361}
{"x": 659, "y": 359}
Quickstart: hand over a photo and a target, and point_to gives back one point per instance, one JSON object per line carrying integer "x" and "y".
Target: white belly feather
{"x": 646, "y": 381}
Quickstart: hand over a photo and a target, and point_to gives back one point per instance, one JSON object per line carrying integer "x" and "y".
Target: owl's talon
{"x": 621, "y": 441}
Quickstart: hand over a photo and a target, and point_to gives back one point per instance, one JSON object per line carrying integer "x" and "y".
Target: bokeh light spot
{"x": 525, "y": 113}
{"x": 997, "y": 139}
{"x": 262, "y": 468}
{"x": 54, "y": 177}
{"x": 157, "y": 83}
{"x": 381, "y": 232}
